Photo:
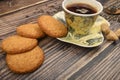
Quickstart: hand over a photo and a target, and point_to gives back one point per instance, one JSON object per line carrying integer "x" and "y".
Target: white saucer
{"x": 95, "y": 38}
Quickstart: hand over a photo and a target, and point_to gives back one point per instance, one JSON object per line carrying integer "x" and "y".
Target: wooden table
{"x": 63, "y": 60}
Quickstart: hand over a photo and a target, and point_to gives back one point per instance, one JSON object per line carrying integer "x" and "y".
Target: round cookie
{"x": 51, "y": 26}
{"x": 25, "y": 62}
{"x": 16, "y": 44}
{"x": 30, "y": 30}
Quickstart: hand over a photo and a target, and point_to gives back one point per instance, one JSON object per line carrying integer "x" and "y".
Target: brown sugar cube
{"x": 118, "y": 33}
{"x": 112, "y": 36}
{"x": 105, "y": 28}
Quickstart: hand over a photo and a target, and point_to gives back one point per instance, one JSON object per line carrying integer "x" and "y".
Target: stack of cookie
{"x": 23, "y": 53}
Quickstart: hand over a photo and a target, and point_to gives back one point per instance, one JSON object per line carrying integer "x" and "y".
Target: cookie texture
{"x": 30, "y": 30}
{"x": 16, "y": 44}
{"x": 51, "y": 26}
{"x": 25, "y": 62}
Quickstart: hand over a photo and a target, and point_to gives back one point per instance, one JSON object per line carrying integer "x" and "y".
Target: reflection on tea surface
{"x": 81, "y": 8}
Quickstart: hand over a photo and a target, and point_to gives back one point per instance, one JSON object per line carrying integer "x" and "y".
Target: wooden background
{"x": 62, "y": 60}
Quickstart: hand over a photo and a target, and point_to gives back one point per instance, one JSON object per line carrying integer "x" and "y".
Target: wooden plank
{"x": 100, "y": 65}
{"x": 9, "y": 6}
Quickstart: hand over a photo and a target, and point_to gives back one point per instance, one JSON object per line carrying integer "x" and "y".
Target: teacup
{"x": 79, "y": 23}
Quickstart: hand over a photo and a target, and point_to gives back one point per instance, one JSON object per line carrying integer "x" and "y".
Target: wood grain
{"x": 9, "y": 6}
{"x": 62, "y": 60}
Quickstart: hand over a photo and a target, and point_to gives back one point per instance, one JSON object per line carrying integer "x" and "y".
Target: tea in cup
{"x": 80, "y": 15}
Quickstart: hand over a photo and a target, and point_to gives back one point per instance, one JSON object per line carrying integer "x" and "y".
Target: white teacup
{"x": 80, "y": 24}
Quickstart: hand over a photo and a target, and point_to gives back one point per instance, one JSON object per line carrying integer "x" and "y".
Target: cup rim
{"x": 73, "y": 13}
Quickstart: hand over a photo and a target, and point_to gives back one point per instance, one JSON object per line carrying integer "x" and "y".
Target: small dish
{"x": 94, "y": 39}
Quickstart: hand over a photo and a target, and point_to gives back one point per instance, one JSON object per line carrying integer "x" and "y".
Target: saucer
{"x": 93, "y": 39}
